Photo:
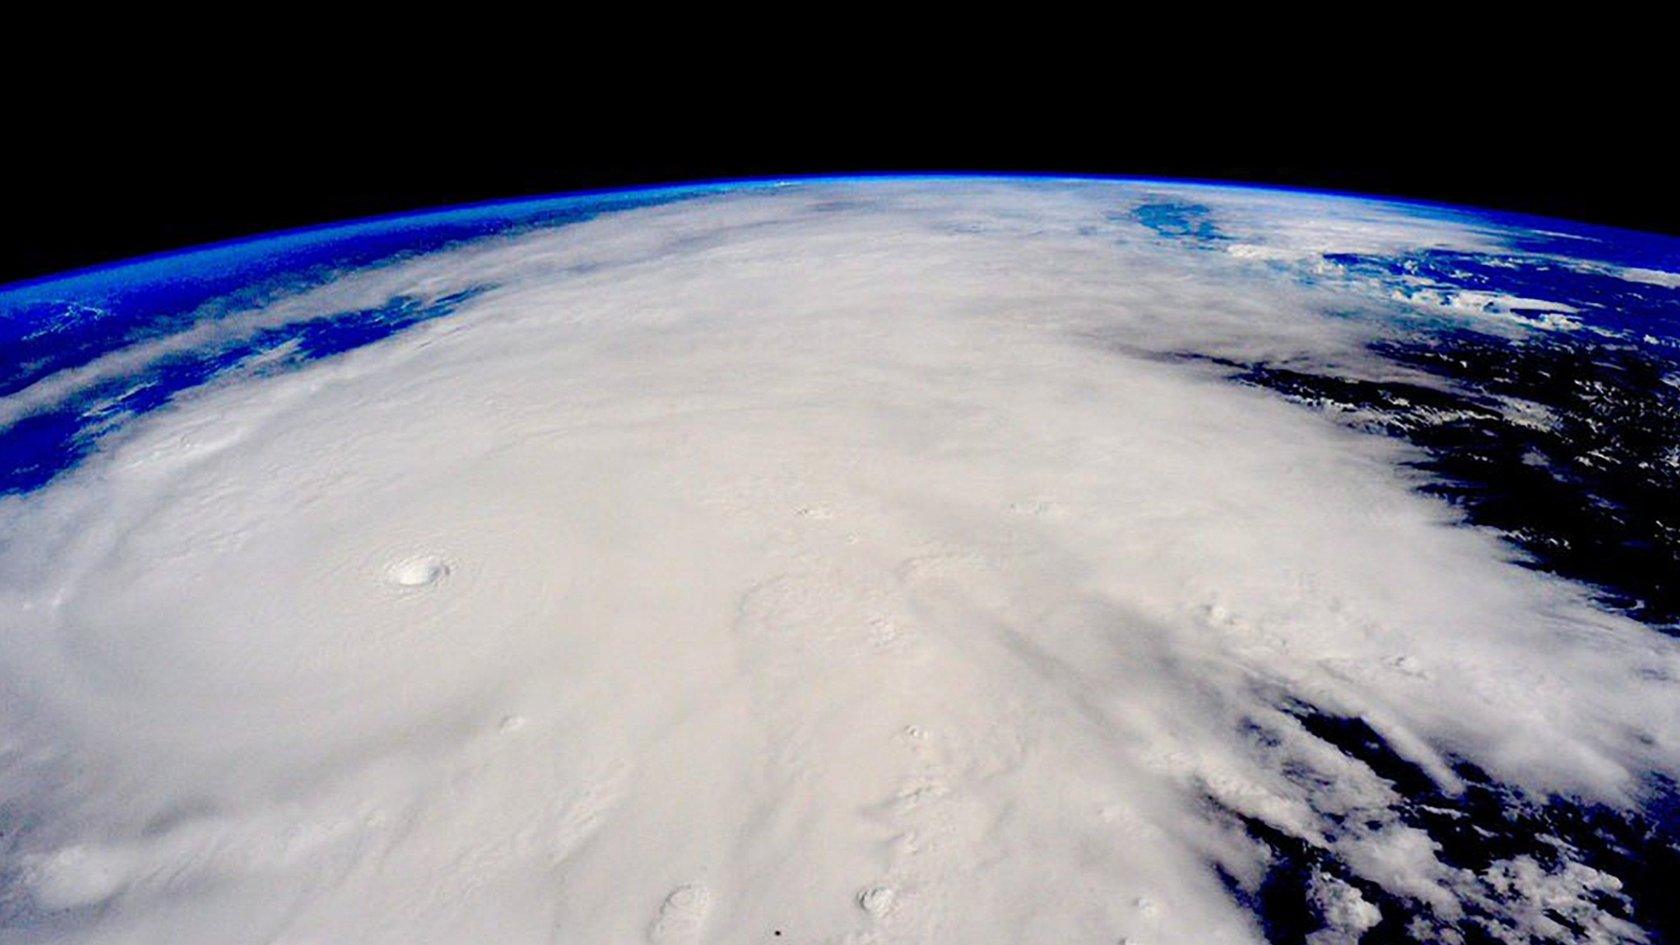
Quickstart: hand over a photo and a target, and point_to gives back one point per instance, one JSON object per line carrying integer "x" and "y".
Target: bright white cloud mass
{"x": 883, "y": 561}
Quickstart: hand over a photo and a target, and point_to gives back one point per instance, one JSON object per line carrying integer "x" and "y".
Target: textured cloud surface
{"x": 835, "y": 562}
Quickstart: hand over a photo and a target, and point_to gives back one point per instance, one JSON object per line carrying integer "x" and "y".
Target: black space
{"x": 93, "y": 180}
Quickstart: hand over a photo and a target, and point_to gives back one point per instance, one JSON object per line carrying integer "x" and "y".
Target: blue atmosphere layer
{"x": 60, "y": 323}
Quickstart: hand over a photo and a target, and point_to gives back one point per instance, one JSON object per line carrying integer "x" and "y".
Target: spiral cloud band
{"x": 833, "y": 561}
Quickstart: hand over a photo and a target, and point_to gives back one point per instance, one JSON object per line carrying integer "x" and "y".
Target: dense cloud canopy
{"x": 843, "y": 561}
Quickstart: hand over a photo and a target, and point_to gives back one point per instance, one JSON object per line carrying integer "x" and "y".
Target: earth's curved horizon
{"x": 1520, "y": 218}
{"x": 880, "y": 558}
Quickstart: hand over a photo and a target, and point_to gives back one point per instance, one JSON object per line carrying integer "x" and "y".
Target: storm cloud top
{"x": 893, "y": 560}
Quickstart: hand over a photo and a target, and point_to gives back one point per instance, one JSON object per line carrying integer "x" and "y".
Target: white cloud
{"x": 785, "y": 551}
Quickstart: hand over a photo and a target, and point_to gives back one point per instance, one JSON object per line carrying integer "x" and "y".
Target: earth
{"x": 945, "y": 559}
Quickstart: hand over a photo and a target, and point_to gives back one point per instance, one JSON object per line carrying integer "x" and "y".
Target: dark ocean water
{"x": 1567, "y": 443}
